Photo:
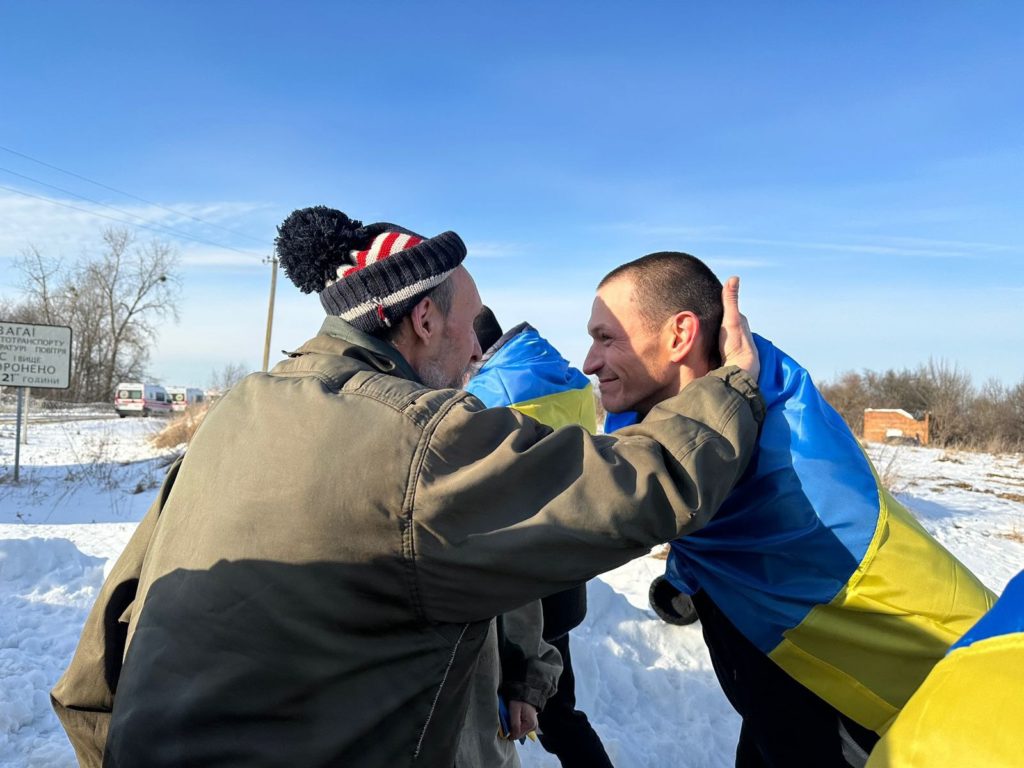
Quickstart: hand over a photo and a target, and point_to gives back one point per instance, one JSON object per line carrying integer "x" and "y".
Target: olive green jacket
{"x": 316, "y": 578}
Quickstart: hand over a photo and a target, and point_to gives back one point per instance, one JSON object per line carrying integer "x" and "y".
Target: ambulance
{"x": 133, "y": 398}
{"x": 185, "y": 397}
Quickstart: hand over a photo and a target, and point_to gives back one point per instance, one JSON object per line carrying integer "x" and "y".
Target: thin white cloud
{"x": 976, "y": 246}
{"x": 882, "y": 245}
{"x": 66, "y": 227}
{"x": 875, "y": 248}
{"x": 199, "y": 256}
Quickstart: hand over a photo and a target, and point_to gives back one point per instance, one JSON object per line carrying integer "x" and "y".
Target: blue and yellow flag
{"x": 819, "y": 567}
{"x": 970, "y": 710}
{"x": 526, "y": 373}
{"x": 523, "y": 371}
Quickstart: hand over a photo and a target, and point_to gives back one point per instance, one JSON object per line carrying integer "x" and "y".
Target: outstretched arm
{"x": 505, "y": 510}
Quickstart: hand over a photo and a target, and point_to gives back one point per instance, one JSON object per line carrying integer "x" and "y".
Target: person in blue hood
{"x": 520, "y": 369}
{"x": 823, "y": 602}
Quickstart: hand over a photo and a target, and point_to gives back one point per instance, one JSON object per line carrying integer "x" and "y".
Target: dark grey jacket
{"x": 315, "y": 581}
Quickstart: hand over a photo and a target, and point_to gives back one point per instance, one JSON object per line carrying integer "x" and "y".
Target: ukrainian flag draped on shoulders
{"x": 820, "y": 567}
{"x": 970, "y": 710}
{"x": 524, "y": 371}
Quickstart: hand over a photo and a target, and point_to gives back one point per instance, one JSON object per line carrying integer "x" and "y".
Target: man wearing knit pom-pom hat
{"x": 316, "y": 577}
{"x": 375, "y": 277}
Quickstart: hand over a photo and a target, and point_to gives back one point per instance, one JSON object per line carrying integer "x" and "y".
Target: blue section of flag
{"x": 1006, "y": 617}
{"x": 797, "y": 524}
{"x": 525, "y": 368}
{"x": 616, "y": 421}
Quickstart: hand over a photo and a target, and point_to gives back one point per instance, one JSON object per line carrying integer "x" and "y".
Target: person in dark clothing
{"x": 488, "y": 329}
{"x": 564, "y": 730}
{"x": 556, "y": 393}
{"x": 770, "y": 701}
{"x": 315, "y": 581}
{"x": 824, "y": 603}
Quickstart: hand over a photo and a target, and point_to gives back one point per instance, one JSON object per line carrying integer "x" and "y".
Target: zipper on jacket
{"x": 437, "y": 696}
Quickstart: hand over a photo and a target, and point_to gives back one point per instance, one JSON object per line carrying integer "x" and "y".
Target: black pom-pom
{"x": 313, "y": 242}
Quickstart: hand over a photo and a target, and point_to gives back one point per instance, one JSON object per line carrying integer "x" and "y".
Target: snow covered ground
{"x": 647, "y": 686}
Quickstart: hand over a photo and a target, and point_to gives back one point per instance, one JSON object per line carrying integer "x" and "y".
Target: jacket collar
{"x": 381, "y": 355}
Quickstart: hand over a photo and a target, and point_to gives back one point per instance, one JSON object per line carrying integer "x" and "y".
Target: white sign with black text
{"x": 35, "y": 355}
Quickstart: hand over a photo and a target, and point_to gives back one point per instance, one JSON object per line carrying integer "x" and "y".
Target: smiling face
{"x": 630, "y": 358}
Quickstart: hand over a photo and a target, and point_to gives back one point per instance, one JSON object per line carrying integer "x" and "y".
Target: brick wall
{"x": 877, "y": 424}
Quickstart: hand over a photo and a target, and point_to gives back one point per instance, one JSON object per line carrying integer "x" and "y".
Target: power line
{"x": 112, "y": 218}
{"x": 129, "y": 194}
{"x": 163, "y": 227}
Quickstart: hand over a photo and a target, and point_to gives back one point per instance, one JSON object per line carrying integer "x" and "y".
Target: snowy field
{"x": 647, "y": 686}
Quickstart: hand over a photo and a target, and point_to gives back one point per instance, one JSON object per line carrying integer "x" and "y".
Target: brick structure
{"x": 895, "y": 424}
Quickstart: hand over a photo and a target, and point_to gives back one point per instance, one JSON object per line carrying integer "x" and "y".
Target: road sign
{"x": 35, "y": 355}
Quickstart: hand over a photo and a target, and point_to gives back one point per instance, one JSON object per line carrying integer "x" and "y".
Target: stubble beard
{"x": 433, "y": 374}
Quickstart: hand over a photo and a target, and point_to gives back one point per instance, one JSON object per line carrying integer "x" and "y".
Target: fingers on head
{"x": 731, "y": 292}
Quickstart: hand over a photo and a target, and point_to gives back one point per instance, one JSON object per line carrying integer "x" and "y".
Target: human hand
{"x": 522, "y": 719}
{"x": 735, "y": 342}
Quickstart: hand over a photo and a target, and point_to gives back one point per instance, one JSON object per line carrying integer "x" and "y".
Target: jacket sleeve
{"x": 84, "y": 695}
{"x": 530, "y": 667}
{"x": 504, "y": 511}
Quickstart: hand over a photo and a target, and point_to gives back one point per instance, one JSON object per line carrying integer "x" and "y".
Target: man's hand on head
{"x": 735, "y": 342}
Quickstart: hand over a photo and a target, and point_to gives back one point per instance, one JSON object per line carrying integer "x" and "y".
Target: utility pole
{"x": 272, "y": 261}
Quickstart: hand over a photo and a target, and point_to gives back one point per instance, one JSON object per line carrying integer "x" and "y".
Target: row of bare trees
{"x": 115, "y": 300}
{"x": 989, "y": 417}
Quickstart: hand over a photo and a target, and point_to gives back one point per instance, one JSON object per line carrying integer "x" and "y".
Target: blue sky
{"x": 858, "y": 164}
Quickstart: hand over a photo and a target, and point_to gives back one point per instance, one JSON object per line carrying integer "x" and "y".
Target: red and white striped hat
{"x": 383, "y": 245}
{"x": 371, "y": 276}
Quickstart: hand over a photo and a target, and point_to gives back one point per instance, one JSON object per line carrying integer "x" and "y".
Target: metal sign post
{"x": 24, "y": 423}
{"x": 17, "y": 436}
{"x": 33, "y": 355}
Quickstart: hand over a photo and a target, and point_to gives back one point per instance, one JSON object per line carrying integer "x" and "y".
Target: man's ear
{"x": 425, "y": 320}
{"x": 683, "y": 330}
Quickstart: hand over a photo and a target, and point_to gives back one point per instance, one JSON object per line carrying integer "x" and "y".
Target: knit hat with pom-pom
{"x": 370, "y": 276}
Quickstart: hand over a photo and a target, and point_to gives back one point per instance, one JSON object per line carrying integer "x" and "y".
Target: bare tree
{"x": 996, "y": 415}
{"x": 41, "y": 277}
{"x": 991, "y": 418}
{"x": 223, "y": 379}
{"x": 114, "y": 303}
{"x": 849, "y": 396}
{"x": 947, "y": 392}
{"x": 137, "y": 287}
